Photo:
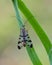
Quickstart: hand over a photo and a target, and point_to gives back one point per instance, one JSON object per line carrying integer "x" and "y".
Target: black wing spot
{"x": 31, "y": 46}
{"x": 29, "y": 41}
{"x": 19, "y": 47}
{"x": 19, "y": 38}
{"x": 19, "y": 42}
{"x": 28, "y": 37}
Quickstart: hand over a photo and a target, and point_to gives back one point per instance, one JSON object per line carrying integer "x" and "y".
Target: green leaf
{"x": 37, "y": 28}
{"x": 31, "y": 52}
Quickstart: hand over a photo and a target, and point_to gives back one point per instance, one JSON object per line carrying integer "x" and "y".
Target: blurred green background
{"x": 9, "y": 32}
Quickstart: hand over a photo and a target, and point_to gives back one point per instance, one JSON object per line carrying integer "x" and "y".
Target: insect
{"x": 24, "y": 38}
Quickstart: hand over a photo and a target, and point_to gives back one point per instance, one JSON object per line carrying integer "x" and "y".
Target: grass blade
{"x": 31, "y": 52}
{"x": 41, "y": 34}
